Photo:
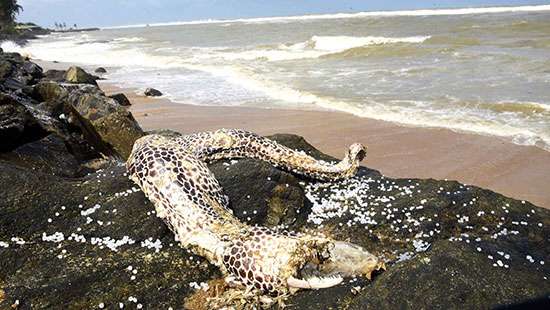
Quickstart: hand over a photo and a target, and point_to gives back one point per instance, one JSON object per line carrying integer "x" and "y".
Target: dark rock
{"x": 106, "y": 125}
{"x": 32, "y": 69}
{"x": 121, "y": 99}
{"x": 120, "y": 130}
{"x": 92, "y": 105}
{"x": 90, "y": 123}
{"x": 17, "y": 72}
{"x": 151, "y": 92}
{"x": 261, "y": 194}
{"x": 427, "y": 231}
{"x": 49, "y": 155}
{"x": 49, "y": 91}
{"x": 445, "y": 277}
{"x": 100, "y": 70}
{"x": 17, "y": 125}
{"x": 85, "y": 273}
{"x": 79, "y": 76}
{"x": 55, "y": 75}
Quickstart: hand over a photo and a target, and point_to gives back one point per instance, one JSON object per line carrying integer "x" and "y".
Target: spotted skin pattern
{"x": 173, "y": 174}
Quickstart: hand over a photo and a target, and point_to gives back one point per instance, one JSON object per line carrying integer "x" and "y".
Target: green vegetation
{"x": 8, "y": 10}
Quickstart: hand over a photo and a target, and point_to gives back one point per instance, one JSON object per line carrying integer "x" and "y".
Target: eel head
{"x": 332, "y": 262}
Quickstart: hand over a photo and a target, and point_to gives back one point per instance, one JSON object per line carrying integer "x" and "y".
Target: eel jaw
{"x": 342, "y": 259}
{"x": 314, "y": 282}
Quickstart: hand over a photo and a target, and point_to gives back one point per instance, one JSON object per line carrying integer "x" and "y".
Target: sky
{"x": 102, "y": 13}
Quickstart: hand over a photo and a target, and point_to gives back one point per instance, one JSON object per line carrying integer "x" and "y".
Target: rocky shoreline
{"x": 21, "y": 33}
{"x": 76, "y": 233}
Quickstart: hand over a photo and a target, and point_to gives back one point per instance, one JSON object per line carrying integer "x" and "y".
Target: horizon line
{"x": 414, "y": 12}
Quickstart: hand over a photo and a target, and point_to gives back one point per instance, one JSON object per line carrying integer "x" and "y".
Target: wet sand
{"x": 521, "y": 172}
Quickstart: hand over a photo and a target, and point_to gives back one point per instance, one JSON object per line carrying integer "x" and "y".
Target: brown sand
{"x": 522, "y": 172}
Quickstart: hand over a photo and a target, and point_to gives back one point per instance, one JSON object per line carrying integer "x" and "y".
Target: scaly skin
{"x": 172, "y": 173}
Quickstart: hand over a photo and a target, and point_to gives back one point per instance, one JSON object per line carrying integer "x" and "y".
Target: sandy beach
{"x": 521, "y": 172}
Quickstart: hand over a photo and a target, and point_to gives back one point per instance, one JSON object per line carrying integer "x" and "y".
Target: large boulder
{"x": 106, "y": 125}
{"x": 17, "y": 72}
{"x": 79, "y": 76}
{"x": 78, "y": 240}
{"x": 114, "y": 124}
{"x": 100, "y": 70}
{"x": 120, "y": 130}
{"x": 49, "y": 91}
{"x": 17, "y": 125}
{"x": 92, "y": 105}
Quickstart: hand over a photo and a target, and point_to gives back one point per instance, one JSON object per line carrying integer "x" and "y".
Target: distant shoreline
{"x": 77, "y": 30}
{"x": 418, "y": 12}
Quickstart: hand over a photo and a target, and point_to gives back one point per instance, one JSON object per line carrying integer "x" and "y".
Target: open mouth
{"x": 310, "y": 277}
{"x": 343, "y": 260}
{"x": 361, "y": 155}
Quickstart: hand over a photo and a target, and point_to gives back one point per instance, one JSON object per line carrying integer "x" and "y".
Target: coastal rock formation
{"x": 86, "y": 236}
{"x": 22, "y": 32}
{"x": 100, "y": 70}
{"x": 151, "y": 92}
{"x": 79, "y": 76}
{"x": 76, "y": 232}
{"x": 16, "y": 72}
{"x": 91, "y": 124}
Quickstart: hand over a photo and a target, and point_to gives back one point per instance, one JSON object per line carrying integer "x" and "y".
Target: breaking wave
{"x": 315, "y": 47}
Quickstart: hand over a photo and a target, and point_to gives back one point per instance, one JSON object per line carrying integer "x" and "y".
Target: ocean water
{"x": 483, "y": 70}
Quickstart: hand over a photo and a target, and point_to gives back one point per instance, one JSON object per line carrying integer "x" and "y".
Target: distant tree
{"x": 64, "y": 26}
{"x": 74, "y": 26}
{"x": 56, "y": 25}
{"x": 8, "y": 10}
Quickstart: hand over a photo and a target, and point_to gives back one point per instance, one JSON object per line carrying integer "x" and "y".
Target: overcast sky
{"x": 124, "y": 12}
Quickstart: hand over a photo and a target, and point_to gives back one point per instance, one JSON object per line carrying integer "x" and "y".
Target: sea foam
{"x": 315, "y": 47}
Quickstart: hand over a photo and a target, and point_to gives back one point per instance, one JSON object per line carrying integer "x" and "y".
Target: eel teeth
{"x": 314, "y": 282}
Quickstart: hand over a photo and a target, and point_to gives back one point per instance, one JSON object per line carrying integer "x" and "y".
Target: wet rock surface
{"x": 76, "y": 233}
{"x": 34, "y": 105}
{"x": 151, "y": 92}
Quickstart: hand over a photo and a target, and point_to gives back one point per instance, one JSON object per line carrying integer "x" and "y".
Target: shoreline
{"x": 398, "y": 151}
